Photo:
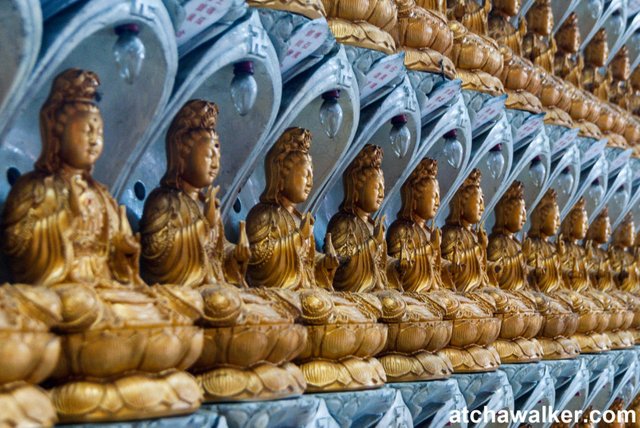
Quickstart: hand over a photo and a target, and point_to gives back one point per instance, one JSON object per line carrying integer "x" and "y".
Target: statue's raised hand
{"x": 242, "y": 251}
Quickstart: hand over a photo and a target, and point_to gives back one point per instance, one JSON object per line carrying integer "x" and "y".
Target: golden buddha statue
{"x": 425, "y": 38}
{"x": 539, "y": 47}
{"x": 343, "y": 329}
{"x": 624, "y": 264}
{"x": 620, "y": 88}
{"x": 183, "y": 243}
{"x": 508, "y": 266}
{"x": 477, "y": 57}
{"x": 595, "y": 57}
{"x": 415, "y": 323}
{"x": 28, "y": 354}
{"x": 363, "y": 23}
{"x": 568, "y": 64}
{"x": 419, "y": 269}
{"x": 594, "y": 312}
{"x": 538, "y": 44}
{"x": 125, "y": 345}
{"x": 545, "y": 277}
{"x": 603, "y": 285}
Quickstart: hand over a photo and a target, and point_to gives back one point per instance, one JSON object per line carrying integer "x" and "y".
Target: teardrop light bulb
{"x": 244, "y": 89}
{"x": 331, "y": 114}
{"x": 495, "y": 162}
{"x": 128, "y": 52}
{"x": 565, "y": 181}
{"x": 537, "y": 172}
{"x": 453, "y": 152}
{"x": 400, "y": 136}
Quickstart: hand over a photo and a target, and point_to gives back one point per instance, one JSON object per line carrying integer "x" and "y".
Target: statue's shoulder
{"x": 262, "y": 218}
{"x": 400, "y": 229}
{"x": 341, "y": 222}
{"x": 29, "y": 191}
{"x": 159, "y": 208}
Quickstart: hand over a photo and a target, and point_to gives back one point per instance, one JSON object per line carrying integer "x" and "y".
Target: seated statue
{"x": 343, "y": 330}
{"x": 595, "y": 57}
{"x": 415, "y": 323}
{"x": 125, "y": 345}
{"x": 509, "y": 267}
{"x": 603, "y": 287}
{"x": 626, "y": 275}
{"x": 28, "y": 354}
{"x": 477, "y": 58}
{"x": 545, "y": 277}
{"x": 594, "y": 313}
{"x": 183, "y": 243}
{"x": 425, "y": 38}
{"x": 464, "y": 244}
{"x": 568, "y": 63}
{"x": 539, "y": 47}
{"x": 519, "y": 76}
{"x": 419, "y": 269}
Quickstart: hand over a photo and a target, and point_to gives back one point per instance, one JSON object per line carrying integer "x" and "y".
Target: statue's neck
{"x": 361, "y": 214}
{"x": 69, "y": 172}
{"x": 192, "y": 191}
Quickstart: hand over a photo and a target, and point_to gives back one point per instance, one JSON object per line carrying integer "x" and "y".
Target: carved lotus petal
{"x": 78, "y": 398}
{"x": 320, "y": 373}
{"x": 140, "y": 393}
{"x": 224, "y": 382}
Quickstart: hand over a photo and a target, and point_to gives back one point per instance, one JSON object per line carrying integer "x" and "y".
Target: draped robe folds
{"x": 86, "y": 251}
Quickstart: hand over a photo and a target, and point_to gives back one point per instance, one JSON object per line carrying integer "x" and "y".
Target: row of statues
{"x": 115, "y": 319}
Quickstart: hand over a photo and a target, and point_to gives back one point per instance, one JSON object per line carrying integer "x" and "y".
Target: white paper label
{"x": 382, "y": 73}
{"x": 620, "y": 160}
{"x": 530, "y": 126}
{"x": 304, "y": 42}
{"x": 199, "y": 14}
{"x": 441, "y": 96}
{"x": 594, "y": 150}
{"x": 565, "y": 140}
{"x": 489, "y": 110}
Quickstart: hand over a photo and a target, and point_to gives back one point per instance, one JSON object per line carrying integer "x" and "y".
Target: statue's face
{"x": 371, "y": 194}
{"x": 602, "y": 228}
{"x": 203, "y": 161}
{"x": 428, "y": 200}
{"x": 474, "y": 206}
{"x": 622, "y": 67}
{"x": 551, "y": 222}
{"x": 599, "y": 51}
{"x": 626, "y": 235}
{"x": 510, "y": 7}
{"x": 518, "y": 215}
{"x": 569, "y": 39}
{"x": 543, "y": 20}
{"x": 298, "y": 182}
{"x": 82, "y": 140}
{"x": 579, "y": 224}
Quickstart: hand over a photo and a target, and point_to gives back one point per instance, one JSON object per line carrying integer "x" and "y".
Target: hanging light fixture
{"x": 244, "y": 89}
{"x": 129, "y": 52}
{"x": 495, "y": 162}
{"x": 400, "y": 135}
{"x": 620, "y": 198}
{"x": 537, "y": 171}
{"x": 596, "y": 191}
{"x": 453, "y": 149}
{"x": 331, "y": 113}
{"x": 565, "y": 181}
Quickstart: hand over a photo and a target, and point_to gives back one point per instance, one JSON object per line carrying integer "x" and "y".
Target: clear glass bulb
{"x": 620, "y": 198}
{"x": 400, "y": 137}
{"x": 495, "y": 163}
{"x": 453, "y": 152}
{"x": 565, "y": 182}
{"x": 537, "y": 172}
{"x": 596, "y": 192}
{"x": 331, "y": 117}
{"x": 244, "y": 91}
{"x": 129, "y": 52}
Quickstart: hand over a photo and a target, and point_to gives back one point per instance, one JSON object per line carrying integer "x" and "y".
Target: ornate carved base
{"x": 472, "y": 359}
{"x": 264, "y": 381}
{"x": 593, "y": 343}
{"x": 25, "y": 405}
{"x": 559, "y": 348}
{"x": 416, "y": 367}
{"x": 621, "y": 339}
{"x": 480, "y": 81}
{"x": 519, "y": 350}
{"x": 135, "y": 396}
{"x": 348, "y": 374}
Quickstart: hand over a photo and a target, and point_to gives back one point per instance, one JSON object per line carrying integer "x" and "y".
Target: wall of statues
{"x": 211, "y": 201}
